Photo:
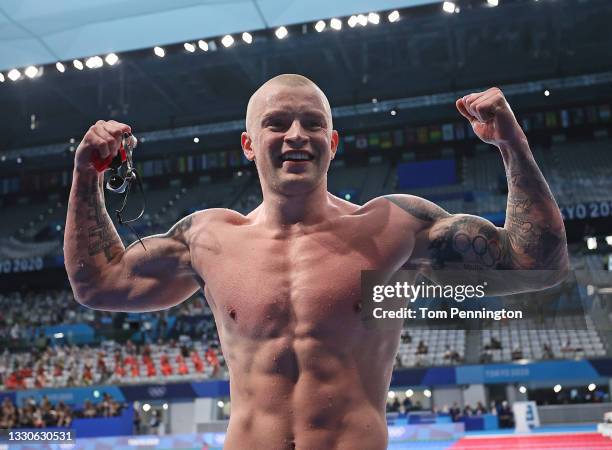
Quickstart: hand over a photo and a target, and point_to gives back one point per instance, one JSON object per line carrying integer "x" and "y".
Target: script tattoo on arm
{"x": 102, "y": 238}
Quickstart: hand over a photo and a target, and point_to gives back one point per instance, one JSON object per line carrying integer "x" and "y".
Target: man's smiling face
{"x": 289, "y": 135}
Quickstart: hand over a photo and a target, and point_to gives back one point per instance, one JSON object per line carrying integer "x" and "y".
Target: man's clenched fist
{"x": 491, "y": 117}
{"x": 102, "y": 140}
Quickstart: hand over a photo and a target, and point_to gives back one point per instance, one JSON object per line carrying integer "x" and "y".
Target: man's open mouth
{"x": 297, "y": 156}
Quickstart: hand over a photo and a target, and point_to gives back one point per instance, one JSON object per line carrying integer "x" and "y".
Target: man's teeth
{"x": 296, "y": 156}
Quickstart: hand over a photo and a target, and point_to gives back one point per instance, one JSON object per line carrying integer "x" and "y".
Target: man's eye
{"x": 275, "y": 124}
{"x": 314, "y": 124}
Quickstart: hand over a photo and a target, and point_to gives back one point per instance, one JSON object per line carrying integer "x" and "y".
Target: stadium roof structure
{"x": 38, "y": 32}
{"x": 424, "y": 56}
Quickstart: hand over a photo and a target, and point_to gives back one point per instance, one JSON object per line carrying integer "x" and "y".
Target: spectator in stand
{"x": 451, "y": 355}
{"x": 547, "y": 352}
{"x": 8, "y": 414}
{"x": 64, "y": 415}
{"x": 455, "y": 412}
{"x": 505, "y": 415}
{"x": 494, "y": 344}
{"x": 407, "y": 404}
{"x": 89, "y": 410}
{"x": 517, "y": 353}
{"x": 422, "y": 348}
{"x": 480, "y": 409}
{"x": 405, "y": 337}
{"x": 567, "y": 349}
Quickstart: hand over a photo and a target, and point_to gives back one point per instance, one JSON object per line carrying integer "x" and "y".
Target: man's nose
{"x": 296, "y": 137}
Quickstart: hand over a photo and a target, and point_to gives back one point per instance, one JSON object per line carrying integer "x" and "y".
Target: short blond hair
{"x": 286, "y": 79}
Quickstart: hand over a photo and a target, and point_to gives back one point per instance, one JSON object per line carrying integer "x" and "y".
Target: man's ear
{"x": 335, "y": 139}
{"x": 247, "y": 146}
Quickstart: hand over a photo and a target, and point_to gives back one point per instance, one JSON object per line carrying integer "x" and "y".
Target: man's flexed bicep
{"x": 160, "y": 276}
{"x": 461, "y": 248}
{"x": 148, "y": 280}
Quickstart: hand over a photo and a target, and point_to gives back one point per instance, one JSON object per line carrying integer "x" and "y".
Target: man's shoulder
{"x": 206, "y": 220}
{"x": 415, "y": 207}
{"x": 217, "y": 216}
{"x": 214, "y": 217}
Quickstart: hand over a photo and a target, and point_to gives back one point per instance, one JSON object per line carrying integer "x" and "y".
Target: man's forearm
{"x": 533, "y": 221}
{"x": 91, "y": 242}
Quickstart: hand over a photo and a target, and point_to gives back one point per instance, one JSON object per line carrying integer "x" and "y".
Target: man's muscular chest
{"x": 261, "y": 285}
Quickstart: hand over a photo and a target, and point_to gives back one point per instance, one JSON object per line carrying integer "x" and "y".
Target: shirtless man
{"x": 283, "y": 281}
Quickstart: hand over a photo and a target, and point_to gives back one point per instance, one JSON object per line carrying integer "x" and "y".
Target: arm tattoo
{"x": 101, "y": 234}
{"x": 180, "y": 228}
{"x": 469, "y": 243}
{"x": 533, "y": 220}
{"x": 418, "y": 208}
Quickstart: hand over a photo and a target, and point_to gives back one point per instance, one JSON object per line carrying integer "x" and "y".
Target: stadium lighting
{"x": 247, "y": 37}
{"x": 409, "y": 393}
{"x": 77, "y": 64}
{"x": 362, "y": 20}
{"x": 203, "y": 45}
{"x": 427, "y": 393}
{"x": 281, "y": 32}
{"x": 320, "y": 25}
{"x": 523, "y": 390}
{"x": 557, "y": 388}
{"x": 31, "y": 71}
{"x": 220, "y": 404}
{"x": 111, "y": 59}
{"x": 394, "y": 112}
{"x": 146, "y": 407}
{"x": 19, "y": 160}
{"x": 1, "y": 78}
{"x": 546, "y": 93}
{"x": 591, "y": 243}
{"x": 352, "y": 21}
{"x": 94, "y": 62}
{"x": 60, "y": 67}
{"x": 391, "y": 394}
{"x": 335, "y": 24}
{"x": 592, "y": 387}
{"x": 58, "y": 335}
{"x": 227, "y": 41}
{"x": 159, "y": 52}
{"x": 165, "y": 406}
{"x": 493, "y": 2}
{"x": 196, "y": 139}
{"x": 609, "y": 240}
{"x": 14, "y": 75}
{"x": 189, "y": 47}
{"x": 374, "y": 18}
{"x": 393, "y": 16}
{"x": 449, "y": 7}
